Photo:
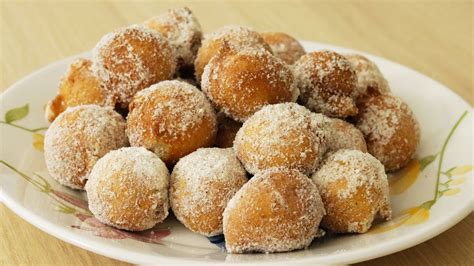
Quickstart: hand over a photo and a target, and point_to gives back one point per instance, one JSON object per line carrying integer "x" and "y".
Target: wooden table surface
{"x": 433, "y": 38}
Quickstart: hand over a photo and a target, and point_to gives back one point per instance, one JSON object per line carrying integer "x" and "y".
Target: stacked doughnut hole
{"x": 236, "y": 132}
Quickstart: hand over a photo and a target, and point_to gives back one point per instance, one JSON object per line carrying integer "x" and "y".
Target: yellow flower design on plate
{"x": 38, "y": 141}
{"x": 406, "y": 177}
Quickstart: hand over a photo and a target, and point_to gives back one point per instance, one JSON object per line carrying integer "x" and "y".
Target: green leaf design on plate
{"x": 16, "y": 114}
{"x": 459, "y": 170}
{"x": 425, "y": 161}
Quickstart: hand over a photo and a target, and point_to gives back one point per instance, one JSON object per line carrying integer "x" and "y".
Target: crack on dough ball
{"x": 182, "y": 30}
{"x": 370, "y": 81}
{"x": 354, "y": 188}
{"x": 79, "y": 86}
{"x": 278, "y": 210}
{"x": 237, "y": 37}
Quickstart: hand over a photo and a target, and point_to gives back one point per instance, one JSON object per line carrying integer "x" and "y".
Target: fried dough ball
{"x": 78, "y": 87}
{"x": 354, "y": 189}
{"x": 202, "y": 183}
{"x": 239, "y": 83}
{"x": 277, "y": 210}
{"x": 280, "y": 135}
{"x": 171, "y": 118}
{"x": 344, "y": 135}
{"x": 370, "y": 80}
{"x": 131, "y": 59}
{"x": 182, "y": 30}
{"x": 237, "y": 37}
{"x": 284, "y": 46}
{"x": 226, "y": 131}
{"x": 128, "y": 189}
{"x": 327, "y": 83}
{"x": 79, "y": 137}
{"x": 390, "y": 128}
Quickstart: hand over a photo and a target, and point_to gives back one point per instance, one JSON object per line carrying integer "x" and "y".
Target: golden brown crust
{"x": 370, "y": 81}
{"x": 202, "y": 183}
{"x": 236, "y": 36}
{"x": 182, "y": 29}
{"x": 78, "y": 138}
{"x": 171, "y": 118}
{"x": 354, "y": 189}
{"x": 128, "y": 189}
{"x": 280, "y": 135}
{"x": 284, "y": 46}
{"x": 327, "y": 82}
{"x": 239, "y": 83}
{"x": 277, "y": 210}
{"x": 343, "y": 135}
{"x": 391, "y": 130}
{"x": 131, "y": 59}
{"x": 79, "y": 87}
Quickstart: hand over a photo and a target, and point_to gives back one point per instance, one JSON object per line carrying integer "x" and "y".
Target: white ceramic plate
{"x": 431, "y": 195}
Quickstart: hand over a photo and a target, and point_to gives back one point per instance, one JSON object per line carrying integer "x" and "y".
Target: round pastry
{"x": 239, "y": 83}
{"x": 277, "y": 210}
{"x": 280, "y": 135}
{"x": 390, "y": 128}
{"x": 226, "y": 131}
{"x": 344, "y": 135}
{"x": 131, "y": 59}
{"x": 79, "y": 137}
{"x": 327, "y": 83}
{"x": 182, "y": 30}
{"x": 171, "y": 118}
{"x": 78, "y": 87}
{"x": 354, "y": 189}
{"x": 284, "y": 46}
{"x": 202, "y": 183}
{"x": 370, "y": 80}
{"x": 236, "y": 36}
{"x": 128, "y": 189}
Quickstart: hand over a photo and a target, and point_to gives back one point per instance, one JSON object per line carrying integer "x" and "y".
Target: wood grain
{"x": 435, "y": 38}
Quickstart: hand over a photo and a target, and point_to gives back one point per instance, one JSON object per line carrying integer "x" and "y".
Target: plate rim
{"x": 392, "y": 246}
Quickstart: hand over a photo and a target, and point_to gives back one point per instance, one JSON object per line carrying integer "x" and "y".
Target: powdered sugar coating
{"x": 201, "y": 185}
{"x": 128, "y": 189}
{"x": 240, "y": 82}
{"x": 390, "y": 128}
{"x": 327, "y": 83}
{"x": 369, "y": 78}
{"x": 284, "y": 46}
{"x": 277, "y": 210}
{"x": 281, "y": 135}
{"x": 171, "y": 118}
{"x": 354, "y": 188}
{"x": 79, "y": 86}
{"x": 183, "y": 31}
{"x": 79, "y": 137}
{"x": 344, "y": 135}
{"x": 236, "y": 36}
{"x": 131, "y": 59}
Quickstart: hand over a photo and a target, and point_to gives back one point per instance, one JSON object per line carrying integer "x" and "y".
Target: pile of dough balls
{"x": 238, "y": 132}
